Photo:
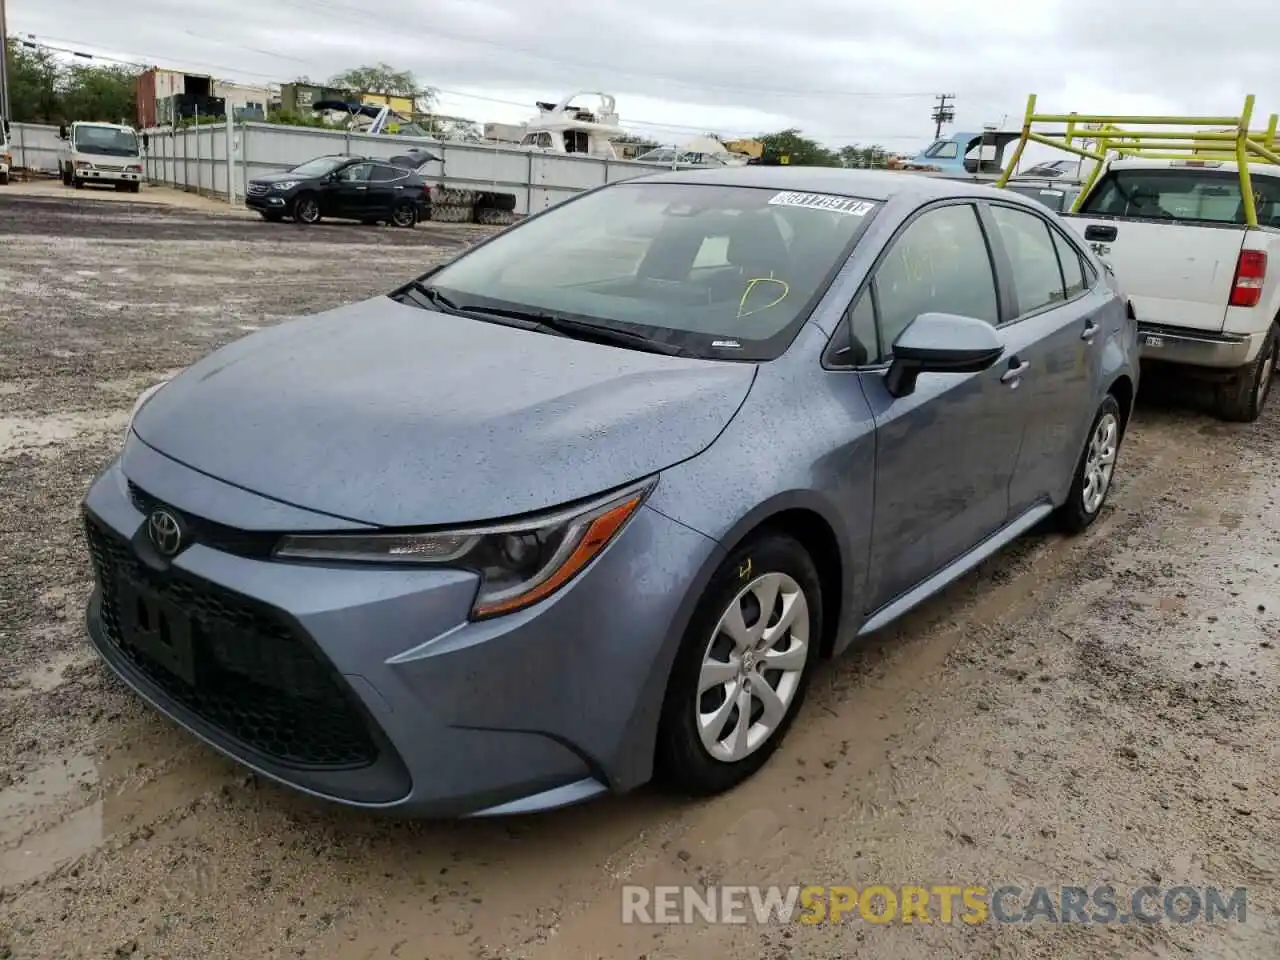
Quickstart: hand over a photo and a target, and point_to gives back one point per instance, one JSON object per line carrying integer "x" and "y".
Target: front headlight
{"x": 519, "y": 563}
{"x": 138, "y": 404}
{"x": 284, "y": 185}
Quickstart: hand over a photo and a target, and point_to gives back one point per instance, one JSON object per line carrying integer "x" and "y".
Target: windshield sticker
{"x": 726, "y": 345}
{"x": 822, "y": 201}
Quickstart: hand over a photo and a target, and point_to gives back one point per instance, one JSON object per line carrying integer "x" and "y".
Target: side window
{"x": 1072, "y": 268}
{"x": 385, "y": 174}
{"x": 1037, "y": 278}
{"x": 939, "y": 264}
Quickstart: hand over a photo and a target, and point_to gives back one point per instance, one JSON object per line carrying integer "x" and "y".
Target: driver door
{"x": 946, "y": 451}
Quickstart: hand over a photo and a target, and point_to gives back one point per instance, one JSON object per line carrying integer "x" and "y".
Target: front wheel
{"x": 742, "y": 669}
{"x": 1095, "y": 469}
{"x": 306, "y": 209}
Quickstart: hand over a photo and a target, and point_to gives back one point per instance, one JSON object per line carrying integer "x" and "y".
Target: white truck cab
{"x": 1203, "y": 285}
{"x": 100, "y": 153}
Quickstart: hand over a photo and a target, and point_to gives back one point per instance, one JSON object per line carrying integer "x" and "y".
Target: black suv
{"x": 345, "y": 187}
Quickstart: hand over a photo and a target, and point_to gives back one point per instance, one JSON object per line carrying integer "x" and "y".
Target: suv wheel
{"x": 742, "y": 669}
{"x": 306, "y": 209}
{"x": 1095, "y": 469}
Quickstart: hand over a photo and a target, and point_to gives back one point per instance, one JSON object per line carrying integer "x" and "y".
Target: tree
{"x": 384, "y": 78}
{"x": 106, "y": 93}
{"x": 801, "y": 151}
{"x": 33, "y": 84}
{"x": 453, "y": 128}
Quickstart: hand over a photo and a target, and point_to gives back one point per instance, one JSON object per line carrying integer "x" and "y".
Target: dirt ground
{"x": 1103, "y": 710}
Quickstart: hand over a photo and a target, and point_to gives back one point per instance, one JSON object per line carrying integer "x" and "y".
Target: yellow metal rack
{"x": 1237, "y": 144}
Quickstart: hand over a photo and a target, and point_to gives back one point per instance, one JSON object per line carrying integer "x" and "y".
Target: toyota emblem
{"x": 165, "y": 532}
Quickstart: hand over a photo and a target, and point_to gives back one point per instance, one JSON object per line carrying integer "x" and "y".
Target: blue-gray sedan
{"x": 587, "y": 504}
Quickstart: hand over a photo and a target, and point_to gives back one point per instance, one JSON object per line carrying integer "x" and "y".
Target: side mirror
{"x": 62, "y": 131}
{"x": 941, "y": 343}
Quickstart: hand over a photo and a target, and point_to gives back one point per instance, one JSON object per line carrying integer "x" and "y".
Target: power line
{"x": 31, "y": 40}
{"x": 942, "y": 113}
{"x": 347, "y": 10}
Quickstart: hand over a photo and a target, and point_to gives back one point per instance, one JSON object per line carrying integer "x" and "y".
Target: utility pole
{"x": 4, "y": 66}
{"x": 943, "y": 112}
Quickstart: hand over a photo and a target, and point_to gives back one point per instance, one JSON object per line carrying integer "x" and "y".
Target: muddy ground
{"x": 1104, "y": 710}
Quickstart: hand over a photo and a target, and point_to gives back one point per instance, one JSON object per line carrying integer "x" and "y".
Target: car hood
{"x": 393, "y": 415}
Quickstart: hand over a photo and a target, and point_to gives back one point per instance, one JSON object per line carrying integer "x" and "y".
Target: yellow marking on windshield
{"x": 751, "y": 285}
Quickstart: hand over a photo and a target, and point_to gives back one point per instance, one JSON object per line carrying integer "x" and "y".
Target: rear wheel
{"x": 135, "y": 188}
{"x": 1095, "y": 469}
{"x": 1243, "y": 398}
{"x": 743, "y": 667}
{"x": 306, "y": 209}
{"x": 405, "y": 214}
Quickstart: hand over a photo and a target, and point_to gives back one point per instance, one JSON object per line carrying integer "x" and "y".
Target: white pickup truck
{"x": 1203, "y": 286}
{"x": 100, "y": 153}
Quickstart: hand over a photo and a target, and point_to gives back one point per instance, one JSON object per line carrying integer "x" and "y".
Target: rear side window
{"x": 1037, "y": 278}
{"x": 1208, "y": 196}
{"x": 383, "y": 173}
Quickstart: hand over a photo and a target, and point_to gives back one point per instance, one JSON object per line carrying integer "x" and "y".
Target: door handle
{"x": 1014, "y": 374}
{"x": 1090, "y": 330}
{"x": 1097, "y": 231}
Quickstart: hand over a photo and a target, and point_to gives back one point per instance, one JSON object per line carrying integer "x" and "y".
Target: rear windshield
{"x": 1206, "y": 196}
{"x": 723, "y": 271}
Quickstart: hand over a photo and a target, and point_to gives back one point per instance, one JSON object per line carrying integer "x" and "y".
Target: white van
{"x": 100, "y": 153}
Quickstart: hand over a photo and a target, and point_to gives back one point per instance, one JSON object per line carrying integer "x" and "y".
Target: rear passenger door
{"x": 386, "y": 185}
{"x": 1054, "y": 327}
{"x": 945, "y": 453}
{"x": 351, "y": 197}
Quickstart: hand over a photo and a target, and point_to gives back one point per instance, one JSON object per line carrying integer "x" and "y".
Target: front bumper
{"x": 267, "y": 202}
{"x": 107, "y": 176}
{"x": 1196, "y": 348}
{"x": 370, "y": 687}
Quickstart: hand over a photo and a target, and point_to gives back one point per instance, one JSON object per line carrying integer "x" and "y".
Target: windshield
{"x": 725, "y": 272}
{"x": 1195, "y": 194}
{"x": 319, "y": 166}
{"x": 107, "y": 141}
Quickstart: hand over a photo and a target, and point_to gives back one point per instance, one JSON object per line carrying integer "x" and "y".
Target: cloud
{"x": 841, "y": 70}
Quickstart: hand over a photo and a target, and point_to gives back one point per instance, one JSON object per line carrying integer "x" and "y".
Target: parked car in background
{"x": 590, "y": 501}
{"x": 1058, "y": 197}
{"x": 106, "y": 153}
{"x": 342, "y": 187}
{"x": 1203, "y": 285}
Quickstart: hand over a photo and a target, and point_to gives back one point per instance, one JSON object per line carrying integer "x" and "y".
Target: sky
{"x": 843, "y": 71}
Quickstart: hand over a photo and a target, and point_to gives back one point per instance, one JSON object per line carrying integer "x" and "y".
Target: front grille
{"x": 256, "y": 189}
{"x": 256, "y": 681}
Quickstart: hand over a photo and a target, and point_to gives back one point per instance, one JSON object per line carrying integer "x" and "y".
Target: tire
{"x": 1243, "y": 398}
{"x": 306, "y": 209}
{"x": 271, "y": 216}
{"x": 404, "y": 215}
{"x": 1097, "y": 460}
{"x": 66, "y": 176}
{"x": 683, "y": 760}
{"x": 4, "y": 179}
{"x": 76, "y": 183}
{"x": 121, "y": 187}
{"x": 135, "y": 188}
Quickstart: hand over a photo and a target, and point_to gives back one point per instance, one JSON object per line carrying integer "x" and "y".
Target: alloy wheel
{"x": 752, "y": 667}
{"x": 1100, "y": 463}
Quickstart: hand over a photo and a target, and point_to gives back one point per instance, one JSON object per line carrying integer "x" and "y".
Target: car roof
{"x": 881, "y": 185}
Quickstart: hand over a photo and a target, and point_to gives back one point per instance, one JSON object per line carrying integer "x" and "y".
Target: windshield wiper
{"x": 580, "y": 329}
{"x": 548, "y": 322}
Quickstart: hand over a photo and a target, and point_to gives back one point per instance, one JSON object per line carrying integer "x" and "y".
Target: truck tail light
{"x": 1251, "y": 271}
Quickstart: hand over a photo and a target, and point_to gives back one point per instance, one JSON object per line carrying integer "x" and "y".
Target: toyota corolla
{"x": 588, "y": 504}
